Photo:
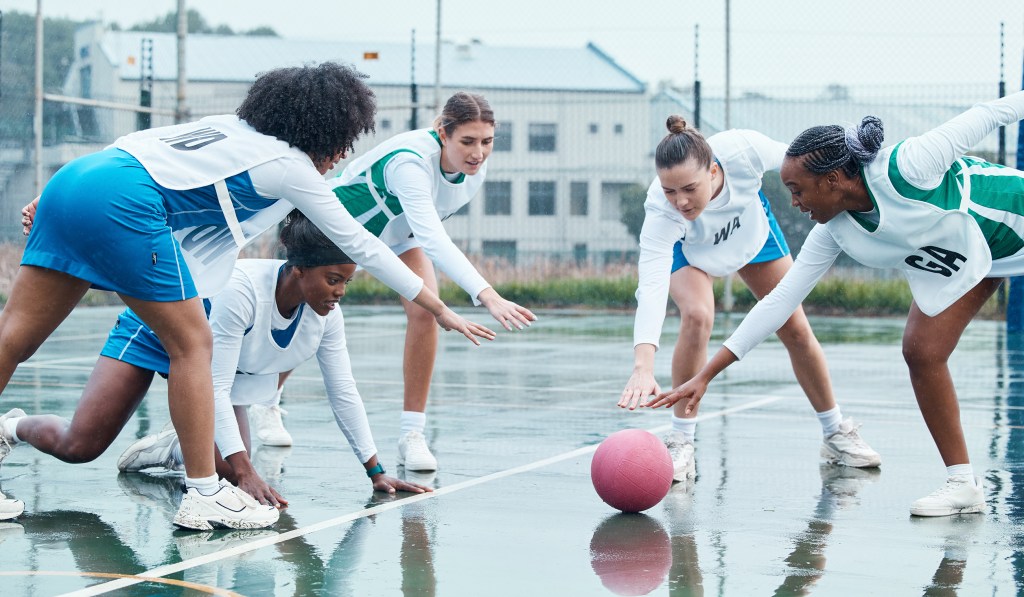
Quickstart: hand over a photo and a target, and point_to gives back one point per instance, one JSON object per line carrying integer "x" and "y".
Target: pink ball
{"x": 631, "y": 470}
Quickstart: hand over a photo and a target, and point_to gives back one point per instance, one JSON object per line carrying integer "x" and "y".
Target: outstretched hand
{"x": 640, "y": 386}
{"x": 507, "y": 313}
{"x": 691, "y": 391}
{"x": 28, "y": 216}
{"x": 388, "y": 484}
{"x": 450, "y": 321}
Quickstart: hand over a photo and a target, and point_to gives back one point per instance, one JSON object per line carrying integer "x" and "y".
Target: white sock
{"x": 11, "y": 429}
{"x": 277, "y": 396}
{"x": 687, "y": 426}
{"x": 830, "y": 420}
{"x": 962, "y": 470}
{"x": 206, "y": 485}
{"x": 413, "y": 421}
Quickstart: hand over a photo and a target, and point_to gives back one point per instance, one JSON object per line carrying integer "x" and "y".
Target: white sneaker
{"x": 267, "y": 425}
{"x": 684, "y": 466}
{"x": 957, "y": 496}
{"x": 6, "y": 441}
{"x": 414, "y": 454}
{"x": 847, "y": 448}
{"x": 10, "y": 507}
{"x": 229, "y": 507}
{"x": 152, "y": 451}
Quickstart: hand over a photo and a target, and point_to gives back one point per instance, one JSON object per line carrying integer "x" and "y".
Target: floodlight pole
{"x": 37, "y": 117}
{"x": 727, "y": 301}
{"x": 1001, "y": 152}
{"x": 180, "y": 111}
{"x": 437, "y": 62}
{"x": 696, "y": 76}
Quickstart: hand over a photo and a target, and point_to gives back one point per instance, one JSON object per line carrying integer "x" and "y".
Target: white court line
{"x": 162, "y": 571}
{"x": 38, "y": 364}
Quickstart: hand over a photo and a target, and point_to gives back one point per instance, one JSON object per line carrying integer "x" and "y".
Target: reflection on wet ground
{"x": 514, "y": 425}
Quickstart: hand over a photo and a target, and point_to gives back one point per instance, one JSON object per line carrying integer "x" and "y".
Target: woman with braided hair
{"x": 160, "y": 216}
{"x": 953, "y": 224}
{"x": 705, "y": 216}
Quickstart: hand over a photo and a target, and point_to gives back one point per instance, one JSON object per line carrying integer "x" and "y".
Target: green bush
{"x": 600, "y": 293}
{"x": 832, "y": 296}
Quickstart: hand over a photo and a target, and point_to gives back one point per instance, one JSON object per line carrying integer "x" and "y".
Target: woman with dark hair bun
{"x": 705, "y": 216}
{"x": 160, "y": 216}
{"x": 952, "y": 223}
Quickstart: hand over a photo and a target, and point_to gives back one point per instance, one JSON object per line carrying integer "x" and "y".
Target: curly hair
{"x": 319, "y": 109}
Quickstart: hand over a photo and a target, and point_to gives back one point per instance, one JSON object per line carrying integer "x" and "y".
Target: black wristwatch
{"x": 375, "y": 470}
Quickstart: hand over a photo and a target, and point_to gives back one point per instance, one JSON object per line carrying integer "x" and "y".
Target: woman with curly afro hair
{"x": 159, "y": 218}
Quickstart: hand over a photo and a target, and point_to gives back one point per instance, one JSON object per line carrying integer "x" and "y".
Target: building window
{"x": 579, "y": 253}
{"x": 593, "y": 128}
{"x": 503, "y": 136}
{"x": 385, "y": 123}
{"x": 85, "y": 82}
{"x": 611, "y": 200}
{"x": 499, "y": 249}
{"x": 543, "y": 136}
{"x": 463, "y": 211}
{"x": 578, "y": 198}
{"x": 542, "y": 198}
{"x": 497, "y": 198}
{"x": 618, "y": 129}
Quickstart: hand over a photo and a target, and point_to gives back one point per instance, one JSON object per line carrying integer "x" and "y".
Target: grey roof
{"x": 474, "y": 65}
{"x": 784, "y": 118}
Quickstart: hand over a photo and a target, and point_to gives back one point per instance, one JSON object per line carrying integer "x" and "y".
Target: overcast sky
{"x": 774, "y": 43}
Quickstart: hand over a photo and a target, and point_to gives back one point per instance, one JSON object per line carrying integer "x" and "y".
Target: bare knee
{"x": 696, "y": 319}
{"x": 194, "y": 344}
{"x": 923, "y": 357}
{"x": 798, "y": 337}
{"x": 14, "y": 347}
{"x": 78, "y": 452}
{"x": 419, "y": 318}
{"x": 53, "y": 434}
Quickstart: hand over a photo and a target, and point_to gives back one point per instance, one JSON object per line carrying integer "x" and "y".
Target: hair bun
{"x": 865, "y": 140}
{"x": 675, "y": 124}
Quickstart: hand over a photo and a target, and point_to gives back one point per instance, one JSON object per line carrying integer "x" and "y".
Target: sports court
{"x": 514, "y": 425}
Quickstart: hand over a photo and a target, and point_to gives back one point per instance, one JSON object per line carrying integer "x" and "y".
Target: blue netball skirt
{"x": 103, "y": 219}
{"x": 132, "y": 342}
{"x": 775, "y": 246}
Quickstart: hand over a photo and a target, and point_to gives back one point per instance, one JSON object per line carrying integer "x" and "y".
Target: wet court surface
{"x": 514, "y": 425}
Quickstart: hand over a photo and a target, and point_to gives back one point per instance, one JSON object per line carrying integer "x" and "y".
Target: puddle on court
{"x": 763, "y": 517}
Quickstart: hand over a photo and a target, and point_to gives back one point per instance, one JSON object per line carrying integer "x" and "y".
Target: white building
{"x": 572, "y": 125}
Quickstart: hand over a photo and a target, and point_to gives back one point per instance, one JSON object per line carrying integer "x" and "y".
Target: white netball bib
{"x": 942, "y": 253}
